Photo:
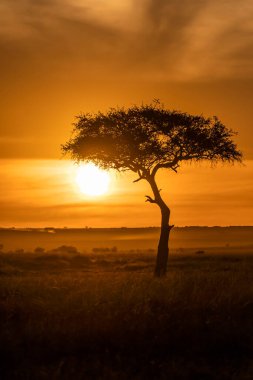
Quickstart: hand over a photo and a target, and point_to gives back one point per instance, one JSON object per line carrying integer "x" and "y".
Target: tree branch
{"x": 138, "y": 179}
{"x": 174, "y": 164}
{"x": 141, "y": 175}
{"x": 175, "y": 168}
{"x": 168, "y": 165}
{"x": 149, "y": 199}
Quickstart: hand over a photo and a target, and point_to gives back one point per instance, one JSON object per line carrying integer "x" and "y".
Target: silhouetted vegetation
{"x": 146, "y": 139}
{"x": 104, "y": 316}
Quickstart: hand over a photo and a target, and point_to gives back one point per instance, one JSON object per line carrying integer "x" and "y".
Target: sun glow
{"x": 91, "y": 180}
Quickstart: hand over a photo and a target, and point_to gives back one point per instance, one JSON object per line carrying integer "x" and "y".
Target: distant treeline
{"x": 50, "y": 229}
{"x": 125, "y": 238}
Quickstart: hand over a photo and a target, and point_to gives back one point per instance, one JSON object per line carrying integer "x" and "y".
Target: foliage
{"x": 146, "y": 138}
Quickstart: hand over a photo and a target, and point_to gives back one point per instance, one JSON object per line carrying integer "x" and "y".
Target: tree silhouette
{"x": 146, "y": 139}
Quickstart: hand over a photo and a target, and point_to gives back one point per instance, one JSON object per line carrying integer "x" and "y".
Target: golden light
{"x": 91, "y": 180}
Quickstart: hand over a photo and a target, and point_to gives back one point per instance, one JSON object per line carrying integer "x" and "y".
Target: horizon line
{"x": 118, "y": 228}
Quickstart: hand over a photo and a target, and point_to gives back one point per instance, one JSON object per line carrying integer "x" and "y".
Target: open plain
{"x": 67, "y": 314}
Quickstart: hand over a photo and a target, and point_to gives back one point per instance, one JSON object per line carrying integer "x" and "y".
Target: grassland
{"x": 104, "y": 316}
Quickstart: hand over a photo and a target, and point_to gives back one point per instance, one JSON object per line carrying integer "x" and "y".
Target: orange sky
{"x": 44, "y": 193}
{"x": 59, "y": 58}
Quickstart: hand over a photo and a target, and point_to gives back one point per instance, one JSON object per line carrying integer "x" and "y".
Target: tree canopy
{"x": 146, "y": 138}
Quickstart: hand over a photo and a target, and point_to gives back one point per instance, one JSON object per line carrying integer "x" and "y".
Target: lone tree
{"x": 146, "y": 139}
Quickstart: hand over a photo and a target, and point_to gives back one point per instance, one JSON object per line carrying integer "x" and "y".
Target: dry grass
{"x": 106, "y": 317}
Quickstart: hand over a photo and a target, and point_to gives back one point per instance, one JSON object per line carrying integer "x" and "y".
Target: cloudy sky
{"x": 62, "y": 57}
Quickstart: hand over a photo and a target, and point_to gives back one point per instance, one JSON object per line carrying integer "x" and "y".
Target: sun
{"x": 91, "y": 180}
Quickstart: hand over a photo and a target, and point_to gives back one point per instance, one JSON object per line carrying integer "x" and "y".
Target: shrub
{"x": 39, "y": 250}
{"x": 66, "y": 249}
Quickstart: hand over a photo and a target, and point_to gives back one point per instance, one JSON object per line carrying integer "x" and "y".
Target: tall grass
{"x": 106, "y": 317}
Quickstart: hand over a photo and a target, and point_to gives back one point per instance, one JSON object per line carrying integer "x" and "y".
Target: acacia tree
{"x": 146, "y": 139}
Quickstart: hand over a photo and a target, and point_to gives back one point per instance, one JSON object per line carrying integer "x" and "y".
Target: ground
{"x": 102, "y": 315}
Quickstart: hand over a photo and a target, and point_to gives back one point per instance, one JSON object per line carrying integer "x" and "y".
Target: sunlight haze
{"x": 62, "y": 58}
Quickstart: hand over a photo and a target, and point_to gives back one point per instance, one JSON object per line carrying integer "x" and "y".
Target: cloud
{"x": 219, "y": 40}
{"x": 27, "y": 17}
{"x": 155, "y": 39}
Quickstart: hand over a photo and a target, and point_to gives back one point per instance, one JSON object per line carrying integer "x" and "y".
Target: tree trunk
{"x": 163, "y": 246}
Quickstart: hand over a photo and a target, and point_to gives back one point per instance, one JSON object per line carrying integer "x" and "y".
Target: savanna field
{"x": 102, "y": 315}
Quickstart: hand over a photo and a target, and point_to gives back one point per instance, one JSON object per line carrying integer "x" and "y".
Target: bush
{"x": 200, "y": 252}
{"x": 104, "y": 250}
{"x": 66, "y": 249}
{"x": 39, "y": 250}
